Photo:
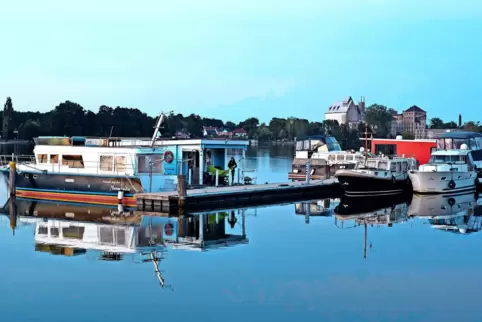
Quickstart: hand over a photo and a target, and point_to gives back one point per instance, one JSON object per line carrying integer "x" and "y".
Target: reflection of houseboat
{"x": 101, "y": 170}
{"x": 441, "y": 205}
{"x": 324, "y": 155}
{"x": 459, "y": 224}
{"x": 324, "y": 207}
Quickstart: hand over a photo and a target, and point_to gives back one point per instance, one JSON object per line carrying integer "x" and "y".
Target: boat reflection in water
{"x": 316, "y": 208}
{"x": 371, "y": 211}
{"x": 457, "y": 213}
{"x": 74, "y": 229}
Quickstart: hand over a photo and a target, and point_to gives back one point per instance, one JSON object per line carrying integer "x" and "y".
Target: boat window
{"x": 54, "y": 232}
{"x": 323, "y": 148}
{"x": 372, "y": 164}
{"x": 73, "y": 232}
{"x": 143, "y": 163}
{"x": 479, "y": 143}
{"x": 460, "y": 159}
{"x": 106, "y": 163}
{"x": 42, "y": 158}
{"x": 73, "y": 161}
{"x": 387, "y": 149}
{"x": 106, "y": 235}
{"x": 306, "y": 144}
{"x": 54, "y": 158}
{"x": 299, "y": 145}
{"x": 340, "y": 157}
{"x": 349, "y": 157}
{"x": 393, "y": 166}
{"x": 43, "y": 230}
{"x": 383, "y": 165}
{"x": 404, "y": 166}
{"x": 358, "y": 158}
{"x": 120, "y": 163}
{"x": 331, "y": 157}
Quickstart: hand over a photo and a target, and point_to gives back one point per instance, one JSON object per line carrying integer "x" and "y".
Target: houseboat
{"x": 454, "y": 166}
{"x": 377, "y": 176}
{"x": 324, "y": 155}
{"x": 104, "y": 170}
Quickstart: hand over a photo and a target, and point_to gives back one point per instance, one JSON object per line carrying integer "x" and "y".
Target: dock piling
{"x": 308, "y": 170}
{"x": 181, "y": 190}
{"x": 13, "y": 176}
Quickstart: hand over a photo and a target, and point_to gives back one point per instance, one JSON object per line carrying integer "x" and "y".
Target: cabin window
{"x": 42, "y": 158}
{"x": 372, "y": 164}
{"x": 404, "y": 166}
{"x": 143, "y": 163}
{"x": 54, "y": 158}
{"x": 120, "y": 163}
{"x": 73, "y": 161}
{"x": 393, "y": 167}
{"x": 340, "y": 157}
{"x": 54, "y": 232}
{"x": 106, "y": 163}
{"x": 386, "y": 149}
{"x": 306, "y": 145}
{"x": 73, "y": 232}
{"x": 382, "y": 165}
{"x": 331, "y": 157}
{"x": 479, "y": 143}
{"x": 43, "y": 230}
{"x": 299, "y": 146}
{"x": 349, "y": 157}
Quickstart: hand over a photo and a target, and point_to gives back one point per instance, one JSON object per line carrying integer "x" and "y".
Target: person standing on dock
{"x": 232, "y": 165}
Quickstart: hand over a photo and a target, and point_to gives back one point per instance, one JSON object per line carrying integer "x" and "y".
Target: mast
{"x": 159, "y": 123}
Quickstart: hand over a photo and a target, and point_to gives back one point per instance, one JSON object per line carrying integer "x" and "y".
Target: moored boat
{"x": 455, "y": 166}
{"x": 112, "y": 170}
{"x": 377, "y": 176}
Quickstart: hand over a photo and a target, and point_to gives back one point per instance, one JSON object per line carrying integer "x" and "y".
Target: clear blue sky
{"x": 235, "y": 59}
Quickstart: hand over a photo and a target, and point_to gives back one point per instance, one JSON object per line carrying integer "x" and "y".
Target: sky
{"x": 237, "y": 59}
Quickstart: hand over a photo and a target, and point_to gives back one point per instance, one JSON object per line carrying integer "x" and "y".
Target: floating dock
{"x": 212, "y": 198}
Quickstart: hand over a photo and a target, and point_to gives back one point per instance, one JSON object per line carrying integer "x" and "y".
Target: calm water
{"x": 392, "y": 265}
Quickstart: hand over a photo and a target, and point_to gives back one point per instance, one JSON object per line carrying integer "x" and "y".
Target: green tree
{"x": 450, "y": 125}
{"x": 250, "y": 125}
{"x": 263, "y": 133}
{"x": 379, "y": 118}
{"x": 407, "y": 136}
{"x": 276, "y": 125}
{"x": 436, "y": 123}
{"x": 230, "y": 125}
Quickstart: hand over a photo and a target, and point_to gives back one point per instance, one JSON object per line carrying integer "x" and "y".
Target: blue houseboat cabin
{"x": 101, "y": 170}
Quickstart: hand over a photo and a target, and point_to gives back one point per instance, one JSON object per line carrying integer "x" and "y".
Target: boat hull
{"x": 440, "y": 182}
{"x": 357, "y": 184}
{"x": 102, "y": 190}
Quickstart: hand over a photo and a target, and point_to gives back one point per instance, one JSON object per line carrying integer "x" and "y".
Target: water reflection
{"x": 74, "y": 229}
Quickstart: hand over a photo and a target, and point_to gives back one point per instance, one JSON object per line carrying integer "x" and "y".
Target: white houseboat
{"x": 323, "y": 153}
{"x": 455, "y": 165}
{"x": 102, "y": 170}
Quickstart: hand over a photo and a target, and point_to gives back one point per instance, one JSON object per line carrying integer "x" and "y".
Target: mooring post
{"x": 181, "y": 190}
{"x": 13, "y": 176}
{"x": 308, "y": 170}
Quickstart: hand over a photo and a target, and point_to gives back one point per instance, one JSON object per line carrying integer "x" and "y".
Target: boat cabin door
{"x": 191, "y": 166}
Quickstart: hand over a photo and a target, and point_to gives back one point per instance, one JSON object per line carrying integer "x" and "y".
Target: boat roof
{"x": 461, "y": 135}
{"x": 451, "y": 152}
{"x": 135, "y": 142}
{"x": 314, "y": 137}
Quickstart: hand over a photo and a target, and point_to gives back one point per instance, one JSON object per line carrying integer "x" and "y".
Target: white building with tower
{"x": 347, "y": 112}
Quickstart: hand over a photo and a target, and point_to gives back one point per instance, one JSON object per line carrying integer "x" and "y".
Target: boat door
{"x": 191, "y": 166}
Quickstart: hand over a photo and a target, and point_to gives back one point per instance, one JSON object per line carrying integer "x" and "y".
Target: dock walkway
{"x": 236, "y": 196}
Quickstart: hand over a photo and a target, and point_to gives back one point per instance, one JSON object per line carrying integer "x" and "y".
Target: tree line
{"x": 71, "y": 119}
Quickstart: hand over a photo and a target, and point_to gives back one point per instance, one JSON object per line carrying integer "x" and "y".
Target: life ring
{"x": 452, "y": 184}
{"x": 168, "y": 229}
{"x": 451, "y": 201}
{"x": 168, "y": 156}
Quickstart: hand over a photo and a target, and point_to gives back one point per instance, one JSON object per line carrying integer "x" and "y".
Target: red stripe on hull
{"x": 74, "y": 197}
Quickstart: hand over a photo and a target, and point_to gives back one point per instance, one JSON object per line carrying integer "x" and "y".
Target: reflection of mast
{"x": 365, "y": 242}
{"x": 156, "y": 259}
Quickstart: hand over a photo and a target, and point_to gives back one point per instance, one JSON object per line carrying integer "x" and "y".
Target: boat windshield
{"x": 460, "y": 159}
{"x": 328, "y": 144}
{"x": 455, "y": 144}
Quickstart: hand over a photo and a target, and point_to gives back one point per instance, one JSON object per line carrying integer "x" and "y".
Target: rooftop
{"x": 414, "y": 108}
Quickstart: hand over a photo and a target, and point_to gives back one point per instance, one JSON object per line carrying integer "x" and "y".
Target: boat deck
{"x": 237, "y": 195}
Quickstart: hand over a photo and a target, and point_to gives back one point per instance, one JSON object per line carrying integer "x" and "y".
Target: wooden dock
{"x": 212, "y": 198}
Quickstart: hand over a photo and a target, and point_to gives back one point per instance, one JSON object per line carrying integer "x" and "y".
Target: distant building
{"x": 240, "y": 133}
{"x": 412, "y": 121}
{"x": 347, "y": 112}
{"x": 210, "y": 131}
